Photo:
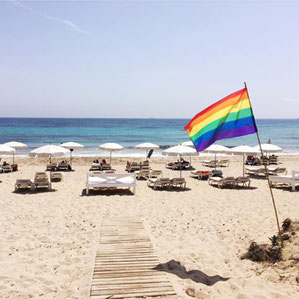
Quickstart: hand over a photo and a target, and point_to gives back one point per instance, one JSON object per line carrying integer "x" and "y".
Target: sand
{"x": 49, "y": 239}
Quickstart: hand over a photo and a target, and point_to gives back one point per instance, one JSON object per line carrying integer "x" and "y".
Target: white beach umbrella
{"x": 15, "y": 145}
{"x": 188, "y": 143}
{"x": 269, "y": 148}
{"x": 180, "y": 150}
{"x": 111, "y": 147}
{"x": 244, "y": 150}
{"x": 216, "y": 149}
{"x": 6, "y": 150}
{"x": 147, "y": 146}
{"x": 49, "y": 151}
{"x": 71, "y": 146}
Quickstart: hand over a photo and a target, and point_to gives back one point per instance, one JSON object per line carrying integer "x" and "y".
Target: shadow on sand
{"x": 198, "y": 276}
{"x": 108, "y": 192}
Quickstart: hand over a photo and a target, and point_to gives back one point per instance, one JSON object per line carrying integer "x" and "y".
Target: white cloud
{"x": 55, "y": 19}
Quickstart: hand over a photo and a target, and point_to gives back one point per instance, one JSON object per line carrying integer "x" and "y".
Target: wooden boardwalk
{"x": 124, "y": 263}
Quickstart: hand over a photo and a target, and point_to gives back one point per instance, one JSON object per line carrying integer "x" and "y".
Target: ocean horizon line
{"x": 162, "y": 118}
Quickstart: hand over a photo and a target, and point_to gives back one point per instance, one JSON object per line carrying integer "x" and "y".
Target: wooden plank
{"x": 124, "y": 263}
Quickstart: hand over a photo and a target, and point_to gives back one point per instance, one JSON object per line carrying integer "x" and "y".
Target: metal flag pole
{"x": 267, "y": 175}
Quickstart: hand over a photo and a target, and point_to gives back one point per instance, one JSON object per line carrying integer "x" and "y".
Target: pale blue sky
{"x": 147, "y": 58}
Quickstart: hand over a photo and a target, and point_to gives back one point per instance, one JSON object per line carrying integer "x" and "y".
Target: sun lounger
{"x": 56, "y": 176}
{"x": 273, "y": 160}
{"x": 242, "y": 181}
{"x": 178, "y": 182}
{"x": 106, "y": 166}
{"x": 255, "y": 170}
{"x": 276, "y": 170}
{"x": 159, "y": 182}
{"x": 41, "y": 180}
{"x": 63, "y": 166}
{"x": 109, "y": 180}
{"x": 223, "y": 163}
{"x": 24, "y": 184}
{"x": 292, "y": 180}
{"x": 6, "y": 168}
{"x": 95, "y": 167}
{"x": 201, "y": 174}
{"x": 209, "y": 163}
{"x": 222, "y": 182}
{"x": 142, "y": 174}
{"x": 51, "y": 166}
{"x": 132, "y": 166}
{"x": 155, "y": 173}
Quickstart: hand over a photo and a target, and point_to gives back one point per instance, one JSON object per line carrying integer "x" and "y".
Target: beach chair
{"x": 276, "y": 170}
{"x": 41, "y": 180}
{"x": 200, "y": 174}
{"x": 265, "y": 160}
{"x": 223, "y": 163}
{"x": 255, "y": 171}
{"x": 209, "y": 163}
{"x": 51, "y": 166}
{"x": 6, "y": 168}
{"x": 178, "y": 182}
{"x": 142, "y": 174}
{"x": 242, "y": 181}
{"x": 282, "y": 180}
{"x": 273, "y": 159}
{"x": 132, "y": 166}
{"x": 24, "y": 184}
{"x": 222, "y": 182}
{"x": 63, "y": 166}
{"x": 56, "y": 176}
{"x": 106, "y": 166}
{"x": 95, "y": 167}
{"x": 159, "y": 182}
{"x": 155, "y": 173}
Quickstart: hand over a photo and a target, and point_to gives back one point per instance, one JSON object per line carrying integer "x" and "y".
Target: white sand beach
{"x": 49, "y": 239}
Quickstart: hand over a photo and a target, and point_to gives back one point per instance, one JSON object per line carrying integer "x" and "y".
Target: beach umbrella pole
{"x": 71, "y": 157}
{"x": 13, "y": 158}
{"x": 243, "y": 164}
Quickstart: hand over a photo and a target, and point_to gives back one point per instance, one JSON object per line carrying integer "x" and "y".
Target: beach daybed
{"x": 110, "y": 180}
{"x": 24, "y": 184}
{"x": 292, "y": 180}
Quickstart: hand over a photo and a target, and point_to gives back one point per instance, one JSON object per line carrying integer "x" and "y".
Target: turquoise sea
{"x": 128, "y": 132}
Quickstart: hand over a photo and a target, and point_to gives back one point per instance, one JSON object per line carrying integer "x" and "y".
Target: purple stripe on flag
{"x": 226, "y": 134}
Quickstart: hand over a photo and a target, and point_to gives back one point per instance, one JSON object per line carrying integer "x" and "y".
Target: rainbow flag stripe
{"x": 228, "y": 118}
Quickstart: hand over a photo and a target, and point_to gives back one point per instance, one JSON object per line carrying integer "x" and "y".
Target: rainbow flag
{"x": 228, "y": 118}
